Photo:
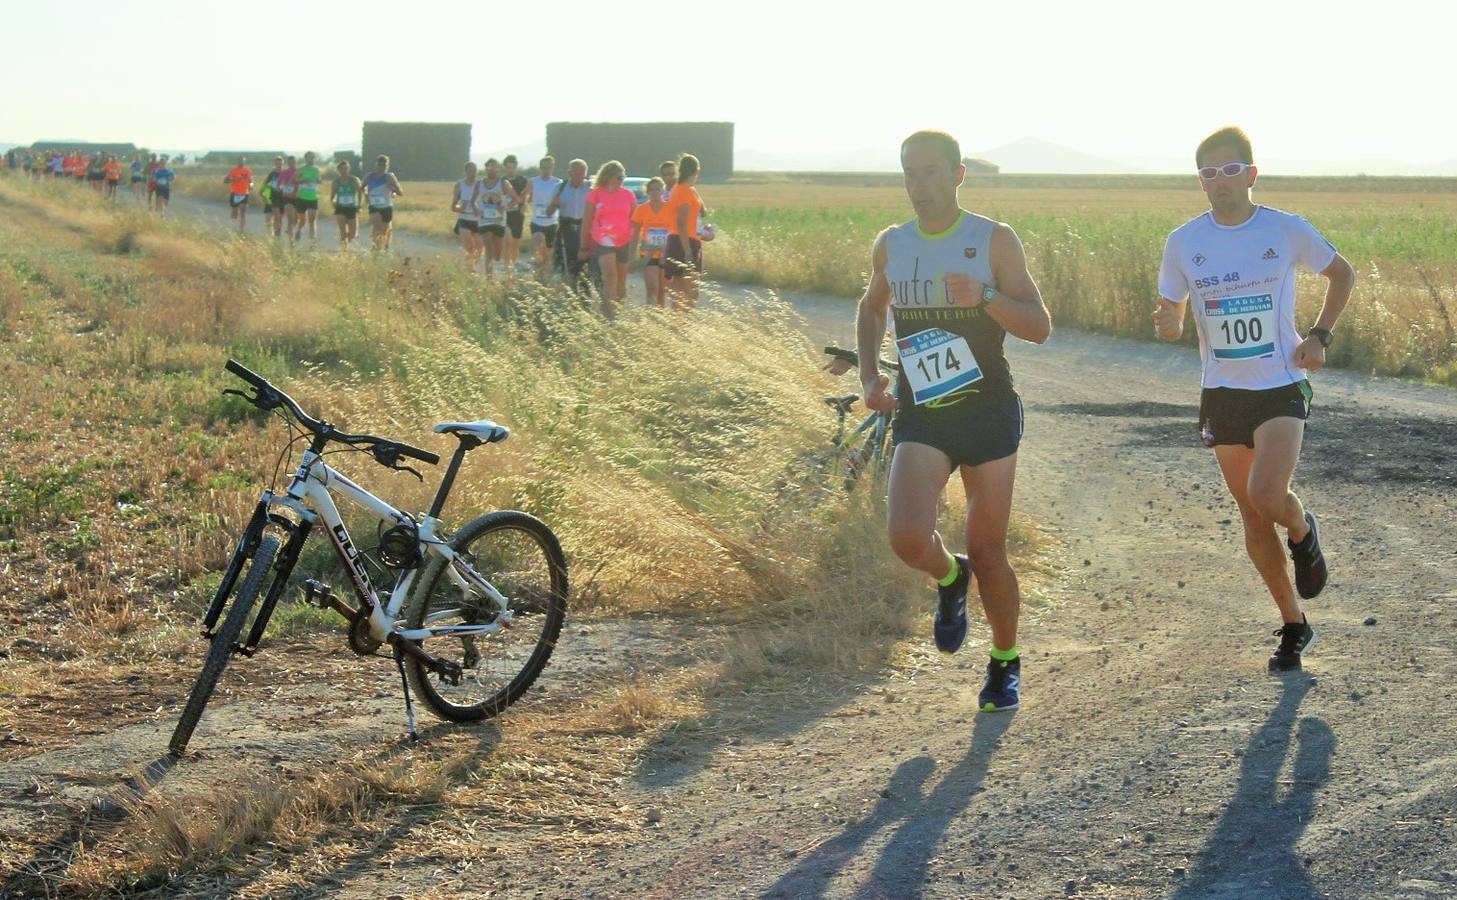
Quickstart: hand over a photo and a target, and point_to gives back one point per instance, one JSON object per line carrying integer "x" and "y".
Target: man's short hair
{"x": 1229, "y": 136}
{"x": 509, "y": 160}
{"x": 548, "y": 160}
{"x": 942, "y": 141}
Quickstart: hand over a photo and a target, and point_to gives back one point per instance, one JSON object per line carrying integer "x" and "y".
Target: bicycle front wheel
{"x": 518, "y": 556}
{"x": 222, "y": 643}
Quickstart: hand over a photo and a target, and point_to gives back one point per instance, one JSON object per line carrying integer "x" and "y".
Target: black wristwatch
{"x": 1321, "y": 334}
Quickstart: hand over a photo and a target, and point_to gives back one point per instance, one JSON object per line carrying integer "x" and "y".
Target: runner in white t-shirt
{"x": 1237, "y": 262}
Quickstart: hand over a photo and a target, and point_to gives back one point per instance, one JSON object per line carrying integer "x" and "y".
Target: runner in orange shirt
{"x": 240, "y": 183}
{"x": 112, "y": 171}
{"x": 683, "y": 253}
{"x": 651, "y": 223}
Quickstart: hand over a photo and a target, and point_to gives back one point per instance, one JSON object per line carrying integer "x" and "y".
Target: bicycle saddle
{"x": 844, "y": 403}
{"x": 484, "y": 430}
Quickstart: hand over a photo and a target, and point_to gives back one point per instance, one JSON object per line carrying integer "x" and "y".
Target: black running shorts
{"x": 386, "y": 213}
{"x": 466, "y": 225}
{"x": 348, "y": 212}
{"x": 547, "y": 232}
{"x": 677, "y": 261}
{"x": 1231, "y": 415}
{"x": 515, "y": 220}
{"x": 970, "y": 433}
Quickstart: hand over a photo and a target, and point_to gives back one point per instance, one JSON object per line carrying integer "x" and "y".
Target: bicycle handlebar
{"x": 850, "y": 356}
{"x": 386, "y": 452}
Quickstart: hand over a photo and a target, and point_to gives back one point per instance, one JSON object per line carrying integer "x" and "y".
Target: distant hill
{"x": 1032, "y": 156}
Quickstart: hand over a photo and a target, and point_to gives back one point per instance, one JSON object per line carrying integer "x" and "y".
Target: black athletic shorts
{"x": 466, "y": 225}
{"x": 302, "y": 205}
{"x": 238, "y": 199}
{"x": 164, "y": 192}
{"x": 547, "y": 232}
{"x": 515, "y": 220}
{"x": 617, "y": 253}
{"x": 386, "y": 213}
{"x": 497, "y": 230}
{"x": 95, "y": 176}
{"x": 970, "y": 433}
{"x": 348, "y": 212}
{"x": 1231, "y": 415}
{"x": 678, "y": 262}
{"x": 138, "y": 179}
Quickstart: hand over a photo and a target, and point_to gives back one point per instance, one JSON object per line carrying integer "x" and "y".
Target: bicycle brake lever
{"x": 411, "y": 471}
{"x": 238, "y": 393}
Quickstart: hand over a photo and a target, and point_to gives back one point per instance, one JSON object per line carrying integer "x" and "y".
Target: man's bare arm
{"x": 1017, "y": 305}
{"x": 870, "y": 319}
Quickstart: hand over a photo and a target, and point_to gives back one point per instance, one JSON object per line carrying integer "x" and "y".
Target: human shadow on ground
{"x": 43, "y": 874}
{"x": 326, "y": 881}
{"x": 1393, "y": 450}
{"x": 1251, "y": 852}
{"x": 901, "y": 869}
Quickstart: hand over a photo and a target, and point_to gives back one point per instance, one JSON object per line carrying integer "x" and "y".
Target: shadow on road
{"x": 1251, "y": 853}
{"x": 43, "y": 874}
{"x": 901, "y": 869}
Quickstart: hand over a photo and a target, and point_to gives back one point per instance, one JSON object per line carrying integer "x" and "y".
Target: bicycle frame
{"x": 310, "y": 498}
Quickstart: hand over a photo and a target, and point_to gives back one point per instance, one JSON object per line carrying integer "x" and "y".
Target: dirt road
{"x": 1152, "y": 756}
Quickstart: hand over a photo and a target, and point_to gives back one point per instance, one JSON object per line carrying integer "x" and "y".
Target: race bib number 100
{"x": 1240, "y": 328}
{"x": 936, "y": 362}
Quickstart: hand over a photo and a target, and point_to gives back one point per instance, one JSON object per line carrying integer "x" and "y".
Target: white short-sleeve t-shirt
{"x": 1241, "y": 279}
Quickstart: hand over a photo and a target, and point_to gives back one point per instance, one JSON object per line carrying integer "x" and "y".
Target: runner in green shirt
{"x": 344, "y": 193}
{"x": 307, "y": 201}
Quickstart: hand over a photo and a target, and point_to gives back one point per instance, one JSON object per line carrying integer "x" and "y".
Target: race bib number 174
{"x": 1240, "y": 328}
{"x": 936, "y": 362}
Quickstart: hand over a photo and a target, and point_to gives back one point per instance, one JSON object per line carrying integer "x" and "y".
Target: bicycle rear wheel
{"x": 222, "y": 643}
{"x": 520, "y": 557}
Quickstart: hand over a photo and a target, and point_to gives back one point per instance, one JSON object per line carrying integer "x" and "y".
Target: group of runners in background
{"x": 588, "y": 232}
{"x": 291, "y": 191}
{"x": 151, "y": 176}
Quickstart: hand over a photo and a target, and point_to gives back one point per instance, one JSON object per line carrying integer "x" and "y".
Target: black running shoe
{"x": 1310, "y": 571}
{"x": 1002, "y": 691}
{"x": 950, "y": 625}
{"x": 1294, "y": 637}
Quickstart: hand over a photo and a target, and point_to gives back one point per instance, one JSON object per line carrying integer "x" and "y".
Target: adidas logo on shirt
{"x": 1270, "y": 254}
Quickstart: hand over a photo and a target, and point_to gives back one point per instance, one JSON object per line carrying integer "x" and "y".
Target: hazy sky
{"x": 1119, "y": 78}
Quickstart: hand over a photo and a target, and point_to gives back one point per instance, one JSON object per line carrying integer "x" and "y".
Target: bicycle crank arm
{"x": 448, "y": 671}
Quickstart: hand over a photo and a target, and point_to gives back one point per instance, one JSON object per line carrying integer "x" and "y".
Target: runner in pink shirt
{"x": 607, "y": 231}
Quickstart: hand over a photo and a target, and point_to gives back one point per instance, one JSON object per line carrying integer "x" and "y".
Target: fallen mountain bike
{"x": 470, "y": 621}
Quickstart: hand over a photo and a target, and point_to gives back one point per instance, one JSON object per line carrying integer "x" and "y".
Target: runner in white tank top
{"x": 492, "y": 201}
{"x": 1238, "y": 263}
{"x": 540, "y": 192}
{"x": 467, "y": 223}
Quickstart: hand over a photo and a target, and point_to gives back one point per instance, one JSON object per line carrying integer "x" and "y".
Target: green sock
{"x": 951, "y": 575}
{"x": 1006, "y": 655}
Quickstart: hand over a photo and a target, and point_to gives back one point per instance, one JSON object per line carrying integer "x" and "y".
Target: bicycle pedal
{"x": 317, "y": 593}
